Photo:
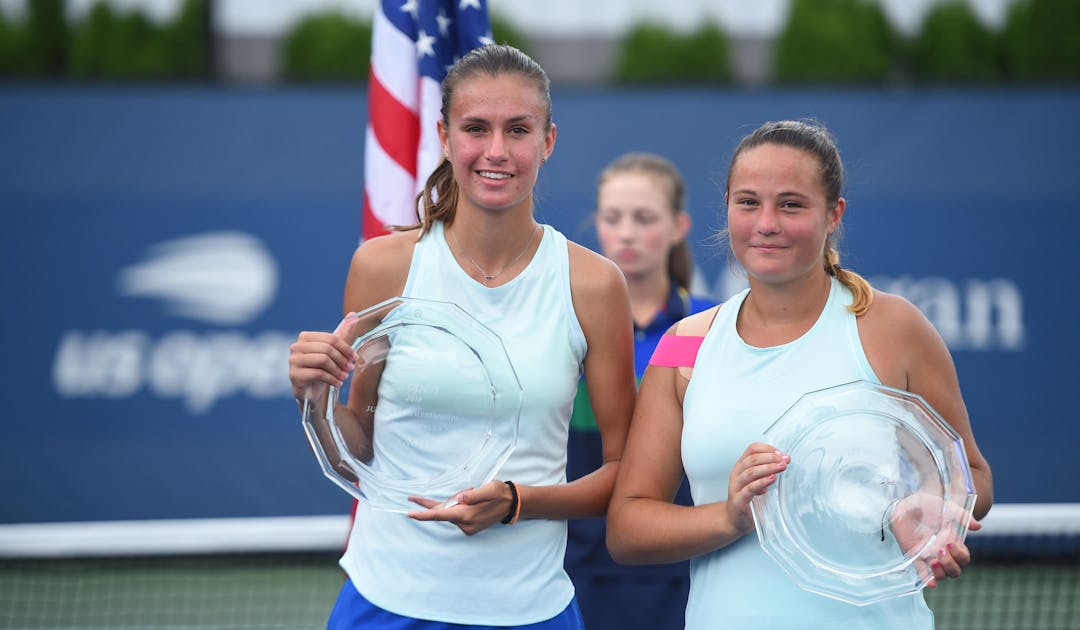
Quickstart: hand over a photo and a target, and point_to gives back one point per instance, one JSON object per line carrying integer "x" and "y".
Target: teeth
{"x": 494, "y": 175}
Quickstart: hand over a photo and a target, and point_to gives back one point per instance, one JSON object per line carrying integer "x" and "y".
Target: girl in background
{"x": 642, "y": 225}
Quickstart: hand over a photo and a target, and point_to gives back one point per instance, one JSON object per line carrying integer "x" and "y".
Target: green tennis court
{"x": 296, "y": 591}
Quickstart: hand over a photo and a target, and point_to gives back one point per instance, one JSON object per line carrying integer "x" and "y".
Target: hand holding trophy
{"x": 878, "y": 487}
{"x": 392, "y": 438}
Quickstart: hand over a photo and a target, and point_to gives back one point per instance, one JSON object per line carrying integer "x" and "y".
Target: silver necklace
{"x": 488, "y": 277}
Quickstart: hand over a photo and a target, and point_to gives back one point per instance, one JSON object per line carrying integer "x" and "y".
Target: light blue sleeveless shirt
{"x": 504, "y": 575}
{"x": 735, "y": 393}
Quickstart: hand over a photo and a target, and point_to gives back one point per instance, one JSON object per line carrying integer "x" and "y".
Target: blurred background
{"x": 182, "y": 182}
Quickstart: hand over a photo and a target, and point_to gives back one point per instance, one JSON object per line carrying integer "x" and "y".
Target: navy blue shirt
{"x": 586, "y": 548}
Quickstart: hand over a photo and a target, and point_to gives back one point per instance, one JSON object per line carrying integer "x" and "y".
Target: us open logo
{"x": 225, "y": 279}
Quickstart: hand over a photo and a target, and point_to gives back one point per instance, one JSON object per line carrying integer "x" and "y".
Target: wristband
{"x": 515, "y": 505}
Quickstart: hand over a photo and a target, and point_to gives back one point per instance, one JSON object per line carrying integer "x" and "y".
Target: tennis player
{"x": 495, "y": 559}
{"x": 719, "y": 378}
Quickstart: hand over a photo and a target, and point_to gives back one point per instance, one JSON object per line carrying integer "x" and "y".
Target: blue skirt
{"x": 353, "y": 611}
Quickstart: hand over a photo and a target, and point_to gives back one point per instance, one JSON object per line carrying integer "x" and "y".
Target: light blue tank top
{"x": 735, "y": 393}
{"x": 504, "y": 575}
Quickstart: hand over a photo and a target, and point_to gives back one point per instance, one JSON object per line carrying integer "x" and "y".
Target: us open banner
{"x": 163, "y": 247}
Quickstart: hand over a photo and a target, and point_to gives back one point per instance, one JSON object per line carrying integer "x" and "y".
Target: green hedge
{"x": 836, "y": 41}
{"x": 106, "y": 44}
{"x": 9, "y": 46}
{"x": 48, "y": 37}
{"x": 111, "y": 44}
{"x": 824, "y": 41}
{"x": 504, "y": 32}
{"x": 327, "y": 46}
{"x": 954, "y": 46}
{"x": 38, "y": 46}
{"x": 655, "y": 54}
{"x": 331, "y": 46}
{"x": 1042, "y": 41}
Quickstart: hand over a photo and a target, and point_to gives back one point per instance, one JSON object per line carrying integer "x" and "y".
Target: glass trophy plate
{"x": 431, "y": 407}
{"x": 878, "y": 482}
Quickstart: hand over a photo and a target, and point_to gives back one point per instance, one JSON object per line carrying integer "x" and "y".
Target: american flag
{"x": 413, "y": 44}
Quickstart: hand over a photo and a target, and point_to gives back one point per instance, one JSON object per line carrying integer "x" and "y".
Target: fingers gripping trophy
{"x": 376, "y": 434}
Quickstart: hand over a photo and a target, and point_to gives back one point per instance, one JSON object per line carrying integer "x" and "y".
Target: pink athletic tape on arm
{"x": 676, "y": 351}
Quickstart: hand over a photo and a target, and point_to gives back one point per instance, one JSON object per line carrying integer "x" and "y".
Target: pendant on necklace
{"x": 488, "y": 277}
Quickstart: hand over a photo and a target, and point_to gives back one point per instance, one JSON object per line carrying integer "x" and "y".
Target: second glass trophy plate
{"x": 878, "y": 482}
{"x": 430, "y": 409}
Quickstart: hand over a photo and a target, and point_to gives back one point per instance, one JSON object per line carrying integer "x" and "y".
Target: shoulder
{"x": 593, "y": 275}
{"x": 387, "y": 251}
{"x": 695, "y": 325}
{"x": 678, "y": 347}
{"x": 599, "y": 295}
{"x": 379, "y": 269}
{"x": 898, "y": 338}
{"x": 894, "y": 316}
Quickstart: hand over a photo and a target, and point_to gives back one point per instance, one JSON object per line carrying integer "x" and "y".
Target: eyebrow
{"x": 515, "y": 120}
{"x": 786, "y": 193}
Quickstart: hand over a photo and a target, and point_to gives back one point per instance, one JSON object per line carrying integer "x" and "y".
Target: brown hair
{"x": 438, "y": 200}
{"x": 815, "y": 140}
{"x": 680, "y": 263}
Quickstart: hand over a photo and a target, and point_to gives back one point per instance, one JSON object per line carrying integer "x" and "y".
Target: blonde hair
{"x": 816, "y": 140}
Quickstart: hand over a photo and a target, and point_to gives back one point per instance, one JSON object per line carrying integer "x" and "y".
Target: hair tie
{"x": 515, "y": 505}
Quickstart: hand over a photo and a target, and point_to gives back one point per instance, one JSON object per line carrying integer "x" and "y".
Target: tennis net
{"x": 282, "y": 573}
{"x": 1024, "y": 574}
{"x": 191, "y": 574}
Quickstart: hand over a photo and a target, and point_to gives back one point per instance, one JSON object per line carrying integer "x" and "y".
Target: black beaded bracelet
{"x": 515, "y": 505}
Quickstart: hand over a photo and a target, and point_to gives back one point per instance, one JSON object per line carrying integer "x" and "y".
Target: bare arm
{"x": 906, "y": 352}
{"x": 603, "y": 310}
{"x": 602, "y": 306}
{"x": 644, "y": 526}
{"x": 377, "y": 272}
{"x": 319, "y": 359}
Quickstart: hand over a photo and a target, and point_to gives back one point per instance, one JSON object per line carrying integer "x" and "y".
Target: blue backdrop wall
{"x": 163, "y": 247}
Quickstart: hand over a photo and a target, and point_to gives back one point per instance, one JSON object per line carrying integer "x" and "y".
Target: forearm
{"x": 582, "y": 498}
{"x": 651, "y": 531}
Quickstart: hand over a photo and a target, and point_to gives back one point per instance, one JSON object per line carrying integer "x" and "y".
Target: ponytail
{"x": 438, "y": 201}
{"x": 861, "y": 291}
{"x": 681, "y": 265}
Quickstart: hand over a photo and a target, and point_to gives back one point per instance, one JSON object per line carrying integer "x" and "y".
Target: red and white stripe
{"x": 402, "y": 143}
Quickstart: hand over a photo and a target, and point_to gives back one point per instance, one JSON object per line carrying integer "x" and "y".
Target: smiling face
{"x": 496, "y": 137}
{"x": 778, "y": 215}
{"x": 635, "y": 223}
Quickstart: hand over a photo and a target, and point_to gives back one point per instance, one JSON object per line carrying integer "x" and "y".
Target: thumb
{"x": 465, "y": 497}
{"x": 349, "y": 320}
